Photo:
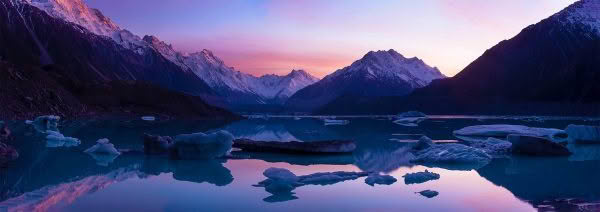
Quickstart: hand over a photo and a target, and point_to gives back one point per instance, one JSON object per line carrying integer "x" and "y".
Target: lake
{"x": 49, "y": 177}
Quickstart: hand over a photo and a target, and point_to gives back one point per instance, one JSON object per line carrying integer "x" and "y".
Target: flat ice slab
{"x": 503, "y": 130}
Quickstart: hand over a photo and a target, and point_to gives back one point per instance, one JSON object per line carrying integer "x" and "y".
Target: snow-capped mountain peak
{"x": 76, "y": 11}
{"x": 585, "y": 12}
{"x": 391, "y": 65}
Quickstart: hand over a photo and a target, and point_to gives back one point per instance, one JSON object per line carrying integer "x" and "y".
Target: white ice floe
{"x": 281, "y": 180}
{"x": 43, "y": 123}
{"x": 411, "y": 114}
{"x": 452, "y": 154}
{"x": 103, "y": 146}
{"x": 492, "y": 145}
{"x": 326, "y": 178}
{"x": 373, "y": 179}
{"x": 420, "y": 177}
{"x": 148, "y": 118}
{"x": 56, "y": 139}
{"x": 428, "y": 193}
{"x": 203, "y": 146}
{"x": 584, "y": 133}
{"x": 280, "y": 174}
{"x": 336, "y": 122}
{"x": 503, "y": 130}
{"x": 410, "y": 122}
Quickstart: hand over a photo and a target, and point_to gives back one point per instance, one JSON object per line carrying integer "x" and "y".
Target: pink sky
{"x": 276, "y": 36}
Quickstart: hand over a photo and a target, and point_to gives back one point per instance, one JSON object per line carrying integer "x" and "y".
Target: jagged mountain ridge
{"x": 230, "y": 86}
{"x": 381, "y": 73}
{"x": 238, "y": 87}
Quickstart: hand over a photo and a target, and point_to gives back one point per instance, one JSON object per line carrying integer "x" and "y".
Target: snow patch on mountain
{"x": 391, "y": 66}
{"x": 77, "y": 12}
{"x": 585, "y": 12}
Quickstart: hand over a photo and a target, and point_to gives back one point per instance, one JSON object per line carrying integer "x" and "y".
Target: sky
{"x": 320, "y": 36}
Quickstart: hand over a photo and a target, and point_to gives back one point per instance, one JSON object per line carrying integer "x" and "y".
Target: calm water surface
{"x": 65, "y": 179}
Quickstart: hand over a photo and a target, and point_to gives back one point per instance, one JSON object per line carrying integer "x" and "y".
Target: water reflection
{"x": 196, "y": 171}
{"x": 539, "y": 180}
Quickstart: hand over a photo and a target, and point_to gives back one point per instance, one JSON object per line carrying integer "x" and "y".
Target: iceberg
{"x": 374, "y": 178}
{"x": 412, "y": 114}
{"x": 43, "y": 123}
{"x": 148, "y": 118}
{"x": 457, "y": 154}
{"x": 336, "y": 122}
{"x": 428, "y": 193}
{"x": 281, "y": 182}
{"x": 420, "y": 177}
{"x": 423, "y": 143}
{"x": 492, "y": 146}
{"x": 538, "y": 146}
{"x": 103, "y": 146}
{"x": 584, "y": 134}
{"x": 201, "y": 146}
{"x": 56, "y": 139}
{"x": 410, "y": 118}
{"x": 157, "y": 144}
{"x": 103, "y": 159}
{"x": 328, "y": 178}
{"x": 503, "y": 130}
{"x": 281, "y": 175}
{"x": 410, "y": 121}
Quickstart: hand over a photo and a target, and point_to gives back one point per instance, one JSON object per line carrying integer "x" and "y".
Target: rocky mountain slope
{"x": 381, "y": 73}
{"x": 552, "y": 67}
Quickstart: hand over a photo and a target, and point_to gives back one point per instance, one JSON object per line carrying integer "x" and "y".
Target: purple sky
{"x": 321, "y": 36}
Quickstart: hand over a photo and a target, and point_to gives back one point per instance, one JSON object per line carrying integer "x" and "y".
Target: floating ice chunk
{"x": 103, "y": 159}
{"x": 281, "y": 182}
{"x": 43, "y": 123}
{"x": 103, "y": 146}
{"x": 148, "y": 118}
{"x": 420, "y": 177}
{"x": 423, "y": 143}
{"x": 157, "y": 144}
{"x": 539, "y": 146}
{"x": 452, "y": 154}
{"x": 428, "y": 193}
{"x": 373, "y": 179}
{"x": 584, "y": 133}
{"x": 492, "y": 146}
{"x": 503, "y": 130}
{"x": 327, "y": 178}
{"x": 297, "y": 118}
{"x": 336, "y": 122}
{"x": 411, "y": 114}
{"x": 282, "y": 175}
{"x": 410, "y": 122}
{"x": 56, "y": 139}
{"x": 202, "y": 146}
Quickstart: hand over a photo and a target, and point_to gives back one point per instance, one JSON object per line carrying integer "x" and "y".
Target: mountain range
{"x": 548, "y": 68}
{"x": 216, "y": 82}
